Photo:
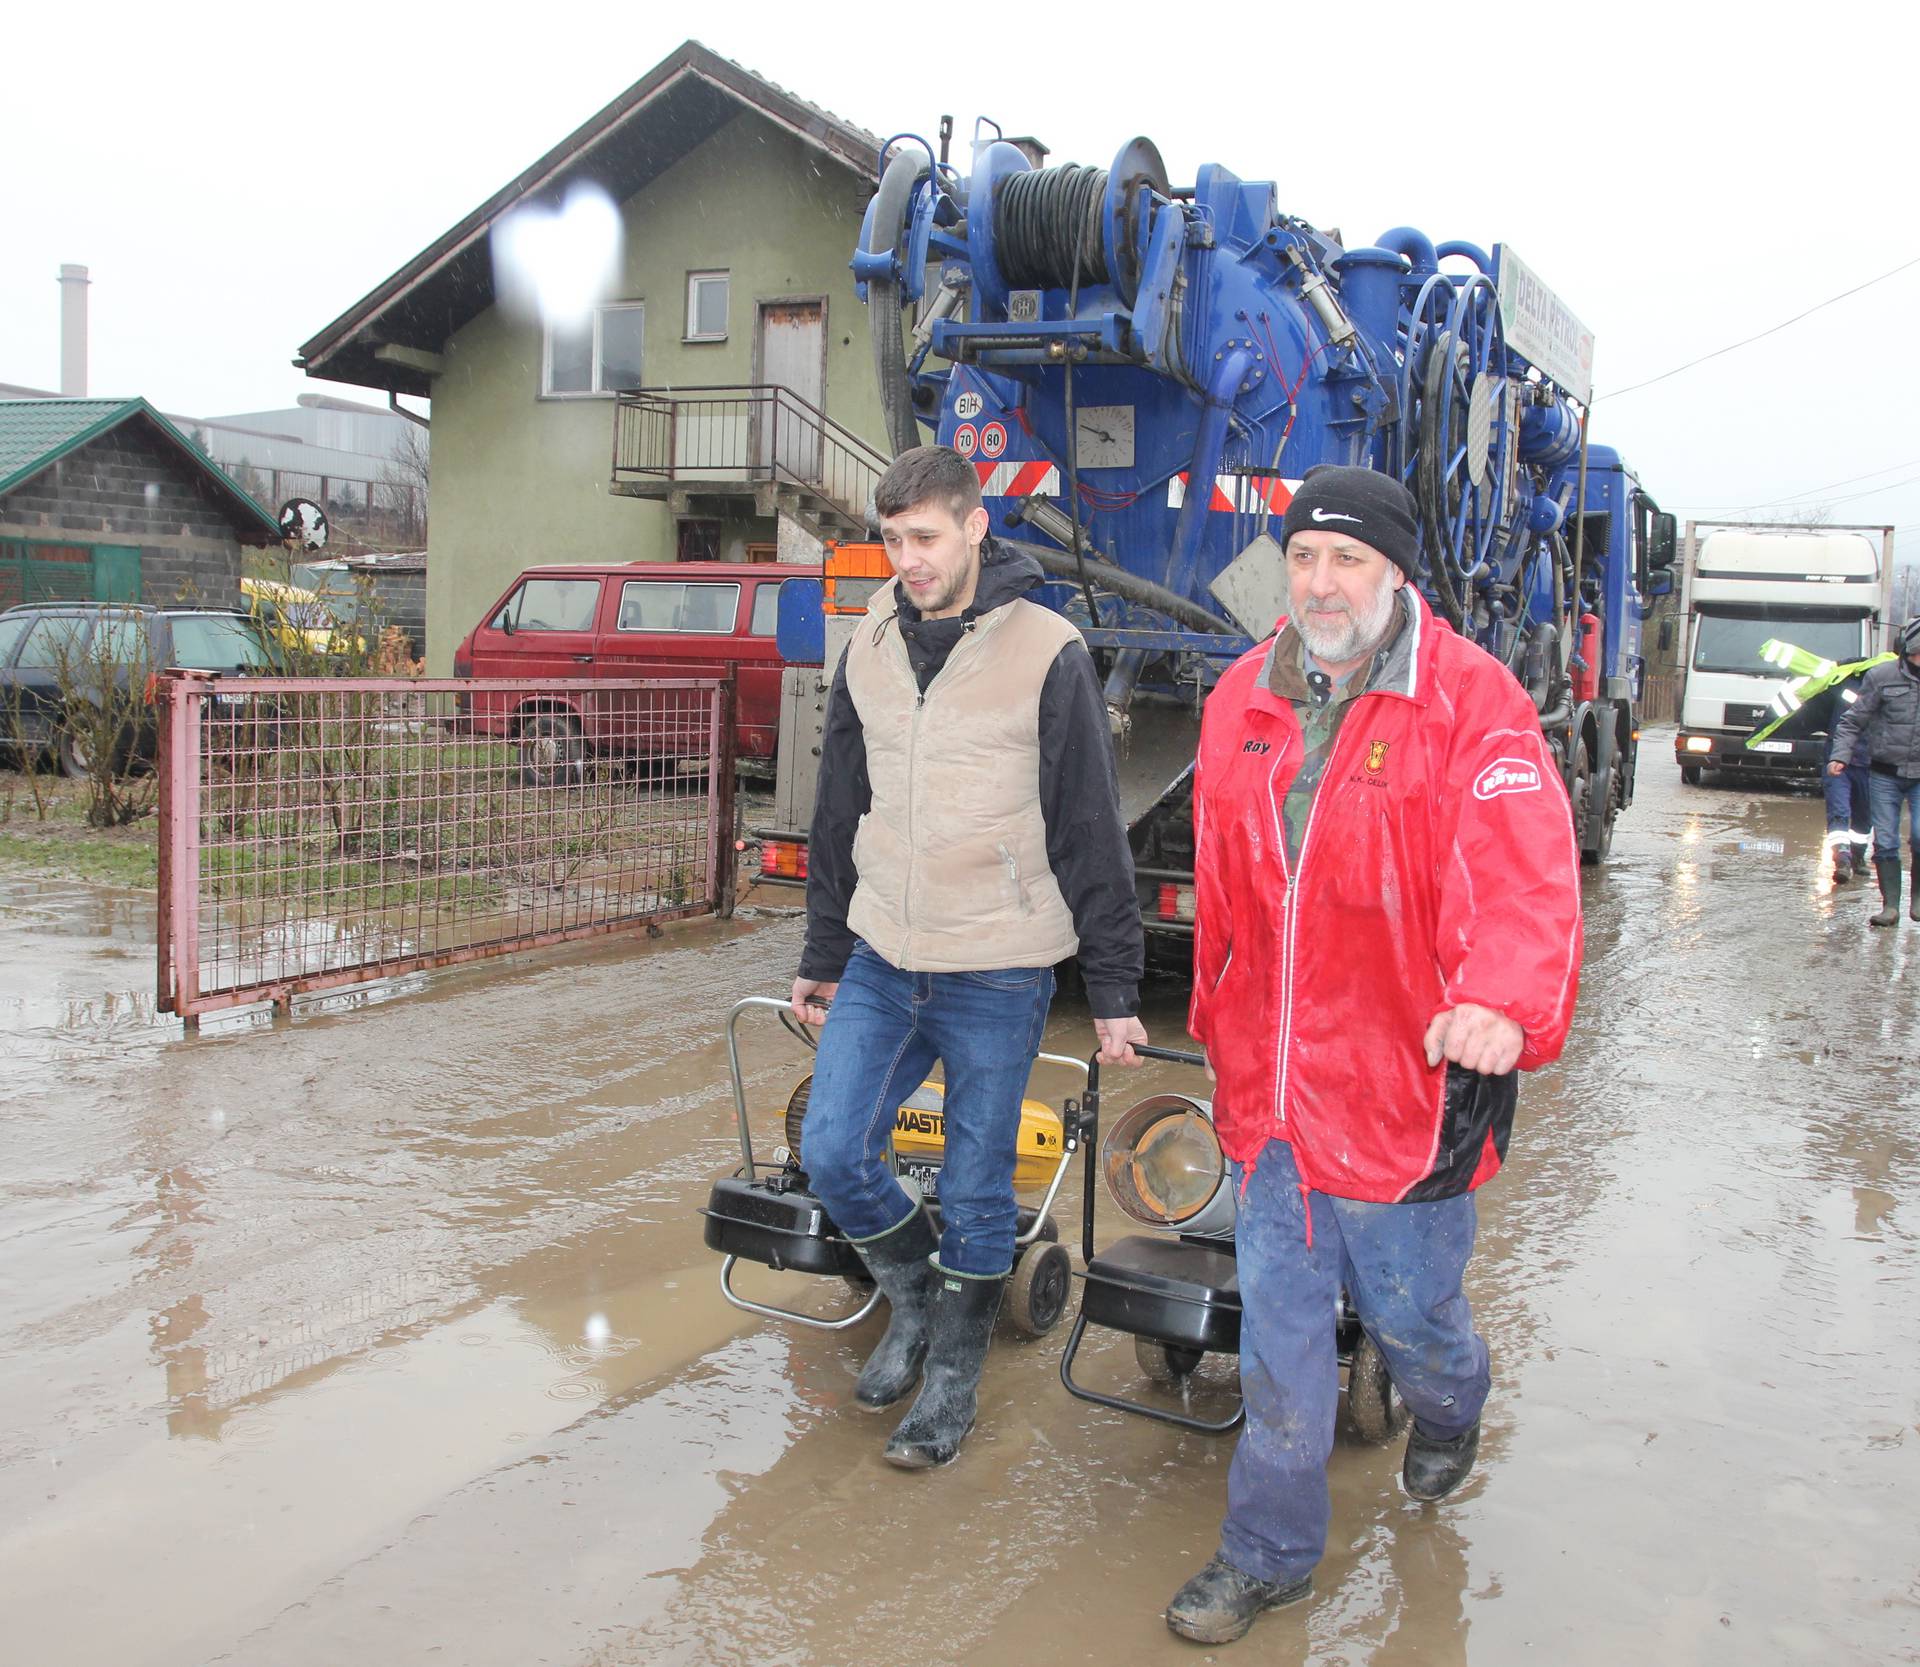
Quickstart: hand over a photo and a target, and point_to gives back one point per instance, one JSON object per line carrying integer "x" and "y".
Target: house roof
{"x": 36, "y": 433}
{"x": 676, "y": 106}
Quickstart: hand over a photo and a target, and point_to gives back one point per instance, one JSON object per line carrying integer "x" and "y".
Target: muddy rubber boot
{"x": 1436, "y": 1466}
{"x": 959, "y": 1326}
{"x": 1842, "y": 864}
{"x": 1887, "y": 871}
{"x": 1220, "y": 1604}
{"x": 901, "y": 1265}
{"x": 1913, "y": 898}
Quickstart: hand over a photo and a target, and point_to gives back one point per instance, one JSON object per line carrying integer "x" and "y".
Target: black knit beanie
{"x": 1373, "y": 508}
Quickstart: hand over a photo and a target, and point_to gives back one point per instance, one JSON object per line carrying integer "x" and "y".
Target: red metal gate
{"x": 318, "y": 832}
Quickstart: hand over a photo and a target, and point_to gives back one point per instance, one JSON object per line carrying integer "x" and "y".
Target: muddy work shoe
{"x": 1842, "y": 865}
{"x": 959, "y": 1327}
{"x": 1887, "y": 871}
{"x": 1220, "y": 1604}
{"x": 1435, "y": 1466}
{"x": 901, "y": 1265}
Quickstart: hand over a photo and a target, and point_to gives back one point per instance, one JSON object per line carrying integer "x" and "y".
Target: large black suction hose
{"x": 888, "y": 230}
{"x": 1122, "y": 583}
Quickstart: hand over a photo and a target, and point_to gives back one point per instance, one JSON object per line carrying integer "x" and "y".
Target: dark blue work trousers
{"x": 1849, "y": 810}
{"x": 1402, "y": 1266}
{"x": 884, "y": 1032}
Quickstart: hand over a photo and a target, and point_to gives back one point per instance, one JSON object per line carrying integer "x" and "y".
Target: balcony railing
{"x": 723, "y": 437}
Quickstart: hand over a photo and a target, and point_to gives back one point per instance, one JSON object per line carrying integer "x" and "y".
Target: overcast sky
{"x": 238, "y": 176}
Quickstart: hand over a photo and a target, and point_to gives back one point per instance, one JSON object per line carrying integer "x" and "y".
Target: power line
{"x": 1812, "y": 491}
{"x": 1616, "y": 393}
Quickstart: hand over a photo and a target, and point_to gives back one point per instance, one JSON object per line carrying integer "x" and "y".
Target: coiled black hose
{"x": 1039, "y": 218}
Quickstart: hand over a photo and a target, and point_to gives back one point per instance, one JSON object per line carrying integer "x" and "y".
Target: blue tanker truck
{"x": 1141, "y": 373}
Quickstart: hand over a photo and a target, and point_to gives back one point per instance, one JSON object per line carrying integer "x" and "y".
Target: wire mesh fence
{"x": 318, "y": 832}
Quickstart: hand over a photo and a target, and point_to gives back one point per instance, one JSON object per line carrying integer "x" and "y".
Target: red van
{"x": 624, "y": 619}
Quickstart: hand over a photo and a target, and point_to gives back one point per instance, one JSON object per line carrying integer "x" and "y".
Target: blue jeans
{"x": 1402, "y": 1266}
{"x": 1887, "y": 794}
{"x": 884, "y": 1032}
{"x": 1849, "y": 808}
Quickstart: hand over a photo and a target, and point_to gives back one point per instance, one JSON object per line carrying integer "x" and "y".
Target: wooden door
{"x": 792, "y": 351}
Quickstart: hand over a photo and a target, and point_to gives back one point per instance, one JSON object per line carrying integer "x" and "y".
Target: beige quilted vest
{"x": 952, "y": 856}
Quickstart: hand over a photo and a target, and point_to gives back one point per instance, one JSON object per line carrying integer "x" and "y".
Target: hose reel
{"x": 1048, "y": 221}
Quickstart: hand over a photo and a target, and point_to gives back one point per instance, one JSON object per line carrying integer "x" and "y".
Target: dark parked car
{"x": 51, "y": 652}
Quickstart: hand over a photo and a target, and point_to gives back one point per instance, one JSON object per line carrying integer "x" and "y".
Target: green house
{"x": 717, "y": 401}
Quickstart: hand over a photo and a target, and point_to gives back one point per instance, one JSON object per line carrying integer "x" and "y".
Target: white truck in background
{"x": 1828, "y": 590}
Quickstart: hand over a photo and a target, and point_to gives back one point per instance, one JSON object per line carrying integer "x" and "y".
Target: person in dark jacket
{"x": 1886, "y": 719}
{"x": 966, "y": 837}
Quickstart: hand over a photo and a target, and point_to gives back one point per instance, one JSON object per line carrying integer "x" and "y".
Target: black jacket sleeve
{"x": 840, "y": 799}
{"x": 1086, "y": 836}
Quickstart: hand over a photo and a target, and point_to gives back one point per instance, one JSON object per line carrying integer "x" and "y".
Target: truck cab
{"x": 1822, "y": 591}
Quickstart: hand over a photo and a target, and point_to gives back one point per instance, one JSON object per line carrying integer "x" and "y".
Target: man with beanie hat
{"x": 1388, "y": 927}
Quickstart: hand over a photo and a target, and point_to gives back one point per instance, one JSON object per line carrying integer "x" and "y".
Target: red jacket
{"x": 1437, "y": 867}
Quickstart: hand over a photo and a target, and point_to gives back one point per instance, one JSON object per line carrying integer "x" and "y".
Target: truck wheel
{"x": 1166, "y": 1364}
{"x": 1037, "y": 1292}
{"x": 1374, "y": 1406}
{"x": 1690, "y": 774}
{"x": 1580, "y": 795}
{"x": 1613, "y": 800}
{"x": 552, "y": 752}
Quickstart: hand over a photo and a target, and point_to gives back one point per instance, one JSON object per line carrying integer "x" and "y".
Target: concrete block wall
{"x": 129, "y": 488}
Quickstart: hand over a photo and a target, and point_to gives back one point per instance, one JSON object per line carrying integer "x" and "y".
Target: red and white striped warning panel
{"x": 1017, "y": 480}
{"x": 1247, "y": 494}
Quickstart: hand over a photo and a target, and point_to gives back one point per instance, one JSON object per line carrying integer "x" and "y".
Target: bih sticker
{"x": 965, "y": 439}
{"x": 968, "y": 406}
{"x": 993, "y": 440}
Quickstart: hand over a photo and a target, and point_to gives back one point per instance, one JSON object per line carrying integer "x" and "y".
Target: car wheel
{"x": 72, "y": 756}
{"x": 552, "y": 751}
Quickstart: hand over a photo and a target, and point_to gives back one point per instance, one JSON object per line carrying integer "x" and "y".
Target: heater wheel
{"x": 1166, "y": 1364}
{"x": 1038, "y": 1288}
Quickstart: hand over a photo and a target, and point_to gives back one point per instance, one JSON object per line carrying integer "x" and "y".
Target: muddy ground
{"x": 388, "y": 1334}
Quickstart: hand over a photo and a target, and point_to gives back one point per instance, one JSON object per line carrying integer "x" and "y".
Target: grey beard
{"x": 1356, "y": 635}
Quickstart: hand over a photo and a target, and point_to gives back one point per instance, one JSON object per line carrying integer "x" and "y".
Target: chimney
{"x": 73, "y": 332}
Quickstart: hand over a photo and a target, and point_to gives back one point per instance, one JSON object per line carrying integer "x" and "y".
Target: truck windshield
{"x": 1730, "y": 639}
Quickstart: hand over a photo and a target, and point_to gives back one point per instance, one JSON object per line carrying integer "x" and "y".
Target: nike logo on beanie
{"x": 1369, "y": 500}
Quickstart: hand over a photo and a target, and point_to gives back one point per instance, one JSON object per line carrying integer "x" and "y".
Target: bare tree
{"x": 1906, "y": 592}
{"x": 406, "y": 477}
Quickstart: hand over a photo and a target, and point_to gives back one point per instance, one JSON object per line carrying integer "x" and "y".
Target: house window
{"x": 597, "y": 355}
{"x": 699, "y": 541}
{"x": 707, "y": 306}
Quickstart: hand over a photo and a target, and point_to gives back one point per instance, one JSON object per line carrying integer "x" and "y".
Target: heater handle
{"x": 1146, "y": 1050}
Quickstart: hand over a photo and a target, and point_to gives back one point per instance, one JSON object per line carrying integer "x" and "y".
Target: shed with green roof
{"x": 106, "y": 499}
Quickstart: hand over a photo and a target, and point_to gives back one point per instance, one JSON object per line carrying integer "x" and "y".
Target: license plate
{"x": 231, "y": 700}
{"x": 926, "y": 1176}
{"x": 1773, "y": 746}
